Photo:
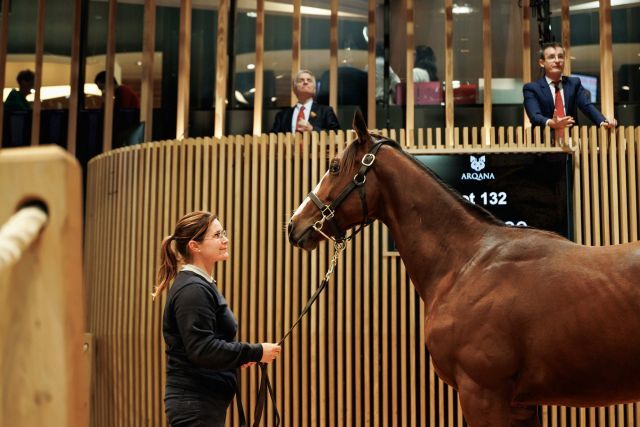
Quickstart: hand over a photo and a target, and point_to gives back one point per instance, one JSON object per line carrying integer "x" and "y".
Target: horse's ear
{"x": 360, "y": 126}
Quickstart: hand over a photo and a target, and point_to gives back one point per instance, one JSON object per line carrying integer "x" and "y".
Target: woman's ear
{"x": 193, "y": 246}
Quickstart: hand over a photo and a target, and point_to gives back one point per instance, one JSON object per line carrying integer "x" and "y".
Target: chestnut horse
{"x": 515, "y": 317}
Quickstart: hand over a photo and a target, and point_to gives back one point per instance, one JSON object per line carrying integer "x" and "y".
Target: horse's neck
{"x": 434, "y": 233}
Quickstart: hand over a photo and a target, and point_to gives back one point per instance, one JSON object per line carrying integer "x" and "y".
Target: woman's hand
{"x": 269, "y": 352}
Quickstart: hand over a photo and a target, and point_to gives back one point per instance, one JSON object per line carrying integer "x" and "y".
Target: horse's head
{"x": 339, "y": 200}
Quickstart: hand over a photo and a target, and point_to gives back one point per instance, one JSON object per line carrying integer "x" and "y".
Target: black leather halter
{"x": 328, "y": 211}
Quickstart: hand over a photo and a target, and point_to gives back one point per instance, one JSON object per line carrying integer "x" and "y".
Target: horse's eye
{"x": 334, "y": 168}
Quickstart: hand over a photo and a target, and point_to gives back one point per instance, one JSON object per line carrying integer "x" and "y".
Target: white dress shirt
{"x": 296, "y": 110}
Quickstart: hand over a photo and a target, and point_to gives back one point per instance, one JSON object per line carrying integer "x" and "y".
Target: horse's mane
{"x": 349, "y": 159}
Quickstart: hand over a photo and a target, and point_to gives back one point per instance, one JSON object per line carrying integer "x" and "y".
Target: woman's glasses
{"x": 217, "y": 235}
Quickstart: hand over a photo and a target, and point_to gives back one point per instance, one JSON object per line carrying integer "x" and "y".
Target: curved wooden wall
{"x": 359, "y": 357}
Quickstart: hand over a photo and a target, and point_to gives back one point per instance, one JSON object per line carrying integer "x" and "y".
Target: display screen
{"x": 590, "y": 83}
{"x": 529, "y": 189}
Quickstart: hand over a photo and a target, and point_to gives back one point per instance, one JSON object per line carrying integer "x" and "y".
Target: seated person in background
{"x": 393, "y": 77}
{"x": 17, "y": 99}
{"x": 125, "y": 97}
{"x": 553, "y": 100}
{"x": 424, "y": 69}
{"x": 306, "y": 115}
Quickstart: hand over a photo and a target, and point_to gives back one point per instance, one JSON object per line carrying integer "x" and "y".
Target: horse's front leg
{"x": 484, "y": 407}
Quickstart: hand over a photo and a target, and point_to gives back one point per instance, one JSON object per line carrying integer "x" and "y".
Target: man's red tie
{"x": 301, "y": 117}
{"x": 559, "y": 108}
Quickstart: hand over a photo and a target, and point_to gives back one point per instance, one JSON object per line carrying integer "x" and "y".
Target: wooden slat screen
{"x": 359, "y": 358}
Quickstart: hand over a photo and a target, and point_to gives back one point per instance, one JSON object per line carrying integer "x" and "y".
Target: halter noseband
{"x": 328, "y": 211}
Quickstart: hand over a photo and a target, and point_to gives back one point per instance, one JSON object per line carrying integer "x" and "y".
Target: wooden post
{"x": 184, "y": 69}
{"x": 606, "y": 60}
{"x": 258, "y": 95}
{"x": 333, "y": 58}
{"x": 107, "y": 130}
{"x": 149, "y": 47}
{"x": 486, "y": 67}
{"x": 37, "y": 101}
{"x": 4, "y": 34}
{"x": 222, "y": 61}
{"x": 448, "y": 70}
{"x": 76, "y": 90}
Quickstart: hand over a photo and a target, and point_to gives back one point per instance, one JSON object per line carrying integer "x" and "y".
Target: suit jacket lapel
{"x": 287, "y": 118}
{"x": 546, "y": 93}
{"x": 568, "y": 90}
{"x": 314, "y": 116}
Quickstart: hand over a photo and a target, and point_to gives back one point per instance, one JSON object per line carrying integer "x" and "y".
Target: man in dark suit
{"x": 306, "y": 115}
{"x": 554, "y": 99}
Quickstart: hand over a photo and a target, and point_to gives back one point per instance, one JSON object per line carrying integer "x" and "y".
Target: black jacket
{"x": 321, "y": 117}
{"x": 200, "y": 335}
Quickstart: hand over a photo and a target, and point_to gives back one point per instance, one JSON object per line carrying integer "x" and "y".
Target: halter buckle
{"x": 327, "y": 213}
{"x": 368, "y": 159}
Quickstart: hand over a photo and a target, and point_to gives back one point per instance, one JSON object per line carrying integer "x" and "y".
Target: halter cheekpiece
{"x": 328, "y": 211}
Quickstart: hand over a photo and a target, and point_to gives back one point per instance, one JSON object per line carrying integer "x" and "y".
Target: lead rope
{"x": 265, "y": 384}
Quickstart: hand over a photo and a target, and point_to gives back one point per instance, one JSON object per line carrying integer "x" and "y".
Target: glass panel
{"x": 204, "y": 31}
{"x": 353, "y": 51}
{"x": 428, "y": 73}
{"x": 245, "y": 58}
{"x": 468, "y": 63}
{"x": 626, "y": 58}
{"x": 315, "y": 45}
{"x": 397, "y": 47}
{"x": 506, "y": 63}
{"x": 165, "y": 70}
{"x": 506, "y": 32}
{"x": 244, "y": 66}
{"x": 18, "y": 98}
{"x": 277, "y": 60}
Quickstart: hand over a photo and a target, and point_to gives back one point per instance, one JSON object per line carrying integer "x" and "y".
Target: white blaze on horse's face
{"x": 306, "y": 199}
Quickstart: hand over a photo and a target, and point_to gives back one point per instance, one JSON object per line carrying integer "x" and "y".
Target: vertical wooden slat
{"x": 604, "y": 187}
{"x": 148, "y": 53}
{"x": 304, "y": 296}
{"x": 295, "y": 306}
{"x": 184, "y": 70}
{"x": 37, "y": 101}
{"x": 266, "y": 318}
{"x": 259, "y": 70}
{"x": 288, "y": 279}
{"x": 566, "y": 35}
{"x": 448, "y": 68}
{"x": 4, "y": 35}
{"x": 606, "y": 59}
{"x": 486, "y": 64}
{"x": 410, "y": 49}
{"x": 323, "y": 310}
{"x": 371, "y": 61}
{"x": 367, "y": 327}
{"x": 75, "y": 89}
{"x": 295, "y": 43}
{"x": 333, "y": 57}
{"x": 577, "y": 191}
{"x": 107, "y": 96}
{"x": 392, "y": 353}
{"x": 222, "y": 65}
{"x": 631, "y": 168}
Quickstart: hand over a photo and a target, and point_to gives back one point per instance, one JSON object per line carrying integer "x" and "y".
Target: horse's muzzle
{"x": 302, "y": 241}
